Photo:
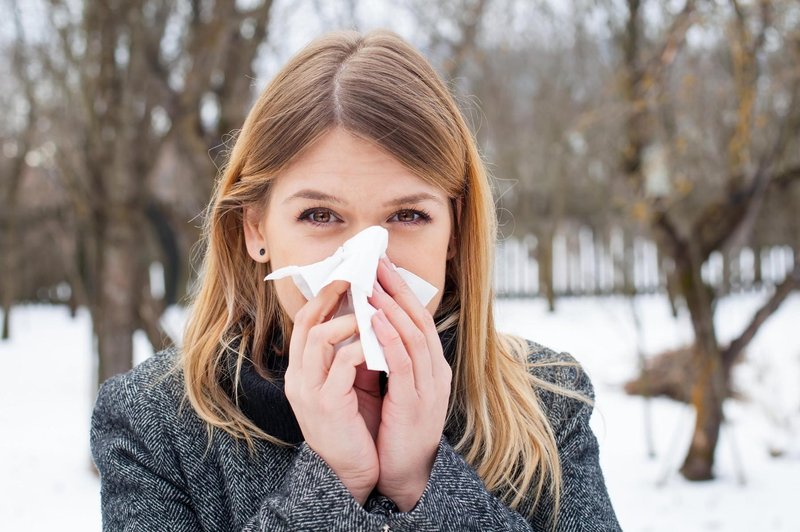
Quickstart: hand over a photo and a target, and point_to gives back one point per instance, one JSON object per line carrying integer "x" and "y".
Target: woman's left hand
{"x": 418, "y": 390}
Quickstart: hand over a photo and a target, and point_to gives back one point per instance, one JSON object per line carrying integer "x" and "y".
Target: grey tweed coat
{"x": 159, "y": 473}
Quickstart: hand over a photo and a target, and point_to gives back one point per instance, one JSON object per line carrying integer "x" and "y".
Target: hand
{"x": 319, "y": 385}
{"x": 415, "y": 405}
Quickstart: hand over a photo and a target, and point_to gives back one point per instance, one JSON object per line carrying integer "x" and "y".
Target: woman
{"x": 472, "y": 430}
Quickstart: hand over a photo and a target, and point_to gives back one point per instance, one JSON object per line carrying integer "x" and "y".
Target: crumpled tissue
{"x": 356, "y": 261}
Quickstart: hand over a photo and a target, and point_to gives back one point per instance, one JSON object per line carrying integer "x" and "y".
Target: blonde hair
{"x": 379, "y": 88}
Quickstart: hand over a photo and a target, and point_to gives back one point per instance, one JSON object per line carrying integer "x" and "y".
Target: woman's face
{"x": 337, "y": 188}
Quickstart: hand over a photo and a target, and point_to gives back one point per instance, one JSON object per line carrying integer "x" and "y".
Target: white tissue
{"x": 356, "y": 261}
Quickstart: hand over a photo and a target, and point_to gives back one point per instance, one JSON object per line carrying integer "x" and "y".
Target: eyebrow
{"x": 308, "y": 193}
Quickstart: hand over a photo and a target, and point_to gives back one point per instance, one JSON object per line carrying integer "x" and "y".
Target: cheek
{"x": 289, "y": 296}
{"x": 292, "y": 252}
{"x": 289, "y": 243}
{"x": 426, "y": 259}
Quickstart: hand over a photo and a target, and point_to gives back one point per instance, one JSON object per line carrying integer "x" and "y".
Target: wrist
{"x": 408, "y": 498}
{"x": 359, "y": 490}
{"x": 407, "y": 491}
{"x": 405, "y": 494}
{"x": 361, "y": 497}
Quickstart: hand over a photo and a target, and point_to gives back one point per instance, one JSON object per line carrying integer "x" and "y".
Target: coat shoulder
{"x": 560, "y": 380}
{"x": 158, "y": 374}
{"x": 144, "y": 395}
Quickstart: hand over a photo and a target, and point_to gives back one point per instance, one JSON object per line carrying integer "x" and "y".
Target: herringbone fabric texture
{"x": 160, "y": 473}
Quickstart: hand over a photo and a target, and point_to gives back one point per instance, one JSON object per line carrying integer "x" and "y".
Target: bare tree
{"x": 24, "y": 139}
{"x": 540, "y": 90}
{"x": 150, "y": 87}
{"x": 641, "y": 131}
{"x": 452, "y": 29}
{"x": 752, "y": 166}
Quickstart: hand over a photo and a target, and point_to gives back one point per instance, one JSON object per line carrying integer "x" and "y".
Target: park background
{"x": 645, "y": 160}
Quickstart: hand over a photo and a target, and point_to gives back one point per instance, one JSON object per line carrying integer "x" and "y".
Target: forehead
{"x": 342, "y": 165}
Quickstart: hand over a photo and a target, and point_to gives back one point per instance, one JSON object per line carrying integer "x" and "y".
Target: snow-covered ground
{"x": 753, "y": 491}
{"x": 46, "y": 396}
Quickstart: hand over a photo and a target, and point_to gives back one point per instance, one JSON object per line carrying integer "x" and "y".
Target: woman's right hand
{"x": 319, "y": 387}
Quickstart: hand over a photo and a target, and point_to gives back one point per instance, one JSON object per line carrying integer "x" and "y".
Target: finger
{"x": 319, "y": 353}
{"x": 396, "y": 287}
{"x": 342, "y": 374}
{"x": 401, "y": 368}
{"x": 415, "y": 341}
{"x": 315, "y": 311}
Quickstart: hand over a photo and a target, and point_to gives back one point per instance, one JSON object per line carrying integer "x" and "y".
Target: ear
{"x": 452, "y": 245}
{"x": 254, "y": 235}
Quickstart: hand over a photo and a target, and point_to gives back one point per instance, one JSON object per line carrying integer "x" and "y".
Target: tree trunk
{"x": 118, "y": 305}
{"x": 9, "y": 253}
{"x": 6, "y": 333}
{"x": 725, "y": 282}
{"x": 707, "y": 400}
{"x": 757, "y": 253}
{"x": 544, "y": 250}
{"x": 10, "y": 260}
{"x": 668, "y": 268}
{"x": 628, "y": 265}
{"x": 709, "y": 387}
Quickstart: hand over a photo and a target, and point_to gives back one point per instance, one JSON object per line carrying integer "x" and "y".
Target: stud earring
{"x": 262, "y": 251}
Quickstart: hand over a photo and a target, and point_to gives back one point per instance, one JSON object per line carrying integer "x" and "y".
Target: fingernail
{"x": 376, "y": 286}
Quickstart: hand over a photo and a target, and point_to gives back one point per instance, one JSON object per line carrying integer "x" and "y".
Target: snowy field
{"x": 46, "y": 397}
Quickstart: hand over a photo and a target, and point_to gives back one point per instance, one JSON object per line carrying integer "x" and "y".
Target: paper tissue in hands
{"x": 356, "y": 261}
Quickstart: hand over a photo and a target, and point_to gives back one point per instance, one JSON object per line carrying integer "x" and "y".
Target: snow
{"x": 46, "y": 478}
{"x": 648, "y": 494}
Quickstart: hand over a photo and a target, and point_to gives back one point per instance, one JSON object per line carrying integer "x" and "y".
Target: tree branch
{"x": 234, "y": 93}
{"x": 729, "y": 223}
{"x": 782, "y": 291}
{"x": 676, "y": 36}
{"x": 787, "y": 177}
{"x": 469, "y": 27}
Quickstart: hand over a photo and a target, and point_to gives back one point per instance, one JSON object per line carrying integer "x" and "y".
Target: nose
{"x": 358, "y": 228}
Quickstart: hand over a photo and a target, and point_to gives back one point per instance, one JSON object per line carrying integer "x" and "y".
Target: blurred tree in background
{"x": 138, "y": 93}
{"x": 700, "y": 197}
{"x": 679, "y": 122}
{"x": 672, "y": 121}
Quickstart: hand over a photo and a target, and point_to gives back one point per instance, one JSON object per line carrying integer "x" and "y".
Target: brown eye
{"x": 412, "y": 217}
{"x": 406, "y": 216}
{"x": 324, "y": 218}
{"x": 316, "y": 216}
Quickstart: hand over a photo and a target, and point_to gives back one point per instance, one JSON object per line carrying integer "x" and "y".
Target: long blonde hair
{"x": 380, "y": 88}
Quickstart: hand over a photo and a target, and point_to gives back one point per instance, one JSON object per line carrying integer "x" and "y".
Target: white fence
{"x": 584, "y": 264}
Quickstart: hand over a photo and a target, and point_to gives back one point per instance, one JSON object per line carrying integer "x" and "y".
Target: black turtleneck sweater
{"x": 264, "y": 401}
